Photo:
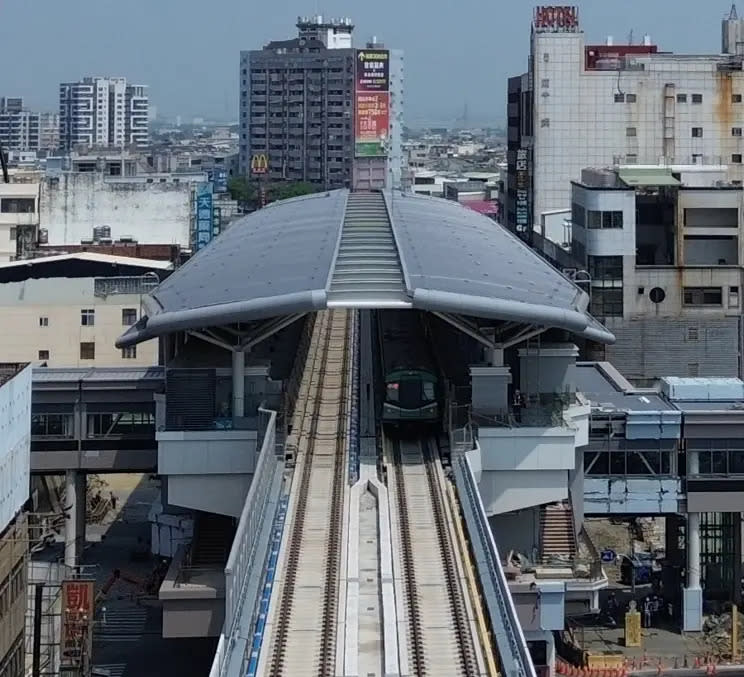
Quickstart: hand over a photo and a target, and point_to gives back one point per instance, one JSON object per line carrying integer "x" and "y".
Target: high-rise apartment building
{"x": 300, "y": 118}
{"x": 22, "y": 129}
{"x": 103, "y": 112}
{"x": 583, "y": 104}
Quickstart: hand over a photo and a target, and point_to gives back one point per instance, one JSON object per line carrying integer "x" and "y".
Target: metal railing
{"x": 108, "y": 286}
{"x": 245, "y": 561}
{"x": 242, "y": 554}
{"x": 516, "y": 660}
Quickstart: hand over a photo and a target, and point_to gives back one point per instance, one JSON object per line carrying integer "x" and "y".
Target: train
{"x": 412, "y": 387}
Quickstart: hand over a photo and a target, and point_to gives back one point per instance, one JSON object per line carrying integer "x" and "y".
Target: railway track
{"x": 440, "y": 631}
{"x": 302, "y": 625}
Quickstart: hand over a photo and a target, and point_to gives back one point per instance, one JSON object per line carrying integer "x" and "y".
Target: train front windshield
{"x": 411, "y": 394}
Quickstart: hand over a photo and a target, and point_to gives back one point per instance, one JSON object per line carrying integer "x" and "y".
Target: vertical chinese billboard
{"x": 372, "y": 113}
{"x": 78, "y": 608}
{"x": 523, "y": 191}
{"x": 204, "y": 216}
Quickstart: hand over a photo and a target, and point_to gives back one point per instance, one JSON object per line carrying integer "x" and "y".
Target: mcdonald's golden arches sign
{"x": 259, "y": 164}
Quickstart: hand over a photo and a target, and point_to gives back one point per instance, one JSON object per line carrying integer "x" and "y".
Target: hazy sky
{"x": 457, "y": 51}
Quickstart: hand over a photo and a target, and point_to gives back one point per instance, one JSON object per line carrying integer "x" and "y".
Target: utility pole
{"x": 4, "y": 163}
{"x": 734, "y": 632}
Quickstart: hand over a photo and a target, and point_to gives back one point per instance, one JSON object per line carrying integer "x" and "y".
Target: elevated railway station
{"x": 357, "y": 552}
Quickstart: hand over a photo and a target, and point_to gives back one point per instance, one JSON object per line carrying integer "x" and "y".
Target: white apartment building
{"x": 663, "y": 249}
{"x": 584, "y": 104}
{"x": 25, "y": 130}
{"x": 68, "y": 310}
{"x": 103, "y": 112}
{"x": 19, "y": 219}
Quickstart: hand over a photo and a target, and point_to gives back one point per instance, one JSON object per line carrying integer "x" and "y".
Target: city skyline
{"x": 497, "y": 37}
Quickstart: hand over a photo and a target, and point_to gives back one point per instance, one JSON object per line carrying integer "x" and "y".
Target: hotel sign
{"x": 523, "y": 191}
{"x": 78, "y": 609}
{"x": 556, "y": 19}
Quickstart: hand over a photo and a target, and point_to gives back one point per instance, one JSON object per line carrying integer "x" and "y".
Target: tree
{"x": 285, "y": 190}
{"x": 243, "y": 190}
{"x": 246, "y": 190}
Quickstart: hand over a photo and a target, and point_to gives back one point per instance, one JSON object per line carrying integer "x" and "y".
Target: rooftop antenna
{"x": 733, "y": 15}
{"x": 630, "y": 37}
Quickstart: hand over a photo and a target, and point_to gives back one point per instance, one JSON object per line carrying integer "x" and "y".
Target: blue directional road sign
{"x": 608, "y": 556}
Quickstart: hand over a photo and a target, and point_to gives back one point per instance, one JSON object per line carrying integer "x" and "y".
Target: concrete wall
{"x": 15, "y": 445}
{"x": 656, "y": 347}
{"x": 73, "y": 203}
{"x": 60, "y": 300}
{"x": 518, "y": 531}
{"x": 208, "y": 470}
{"x": 524, "y": 467}
{"x": 220, "y": 494}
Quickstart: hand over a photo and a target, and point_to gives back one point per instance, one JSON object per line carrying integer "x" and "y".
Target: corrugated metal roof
{"x": 658, "y": 176}
{"x": 90, "y": 256}
{"x": 94, "y": 374}
{"x": 284, "y": 259}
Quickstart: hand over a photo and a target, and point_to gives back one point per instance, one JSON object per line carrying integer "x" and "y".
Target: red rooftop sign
{"x": 556, "y": 19}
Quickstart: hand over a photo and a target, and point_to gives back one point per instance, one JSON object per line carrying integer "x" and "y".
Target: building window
{"x": 17, "y": 205}
{"x": 631, "y": 131}
{"x": 631, "y": 159}
{"x": 129, "y": 353}
{"x": 578, "y": 215}
{"x": 43, "y": 321}
{"x": 545, "y": 82}
{"x": 606, "y": 267}
{"x": 87, "y": 350}
{"x": 697, "y": 158}
{"x": 736, "y": 98}
{"x": 87, "y": 317}
{"x": 545, "y": 122}
{"x": 606, "y": 302}
{"x": 697, "y": 98}
{"x": 702, "y": 296}
{"x": 546, "y": 57}
{"x": 681, "y": 98}
{"x": 736, "y": 131}
{"x": 43, "y": 354}
{"x": 736, "y": 158}
{"x": 630, "y": 98}
{"x": 128, "y": 316}
{"x": 697, "y": 132}
{"x": 693, "y": 369}
{"x": 12, "y": 233}
{"x": 604, "y": 219}
{"x": 619, "y": 98}
{"x": 733, "y": 297}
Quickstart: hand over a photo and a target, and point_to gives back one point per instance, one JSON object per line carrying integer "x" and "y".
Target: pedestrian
{"x": 647, "y": 612}
{"x": 112, "y": 498}
{"x": 517, "y": 405}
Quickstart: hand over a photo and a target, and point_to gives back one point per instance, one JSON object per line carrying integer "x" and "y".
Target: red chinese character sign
{"x": 78, "y": 608}
{"x": 557, "y": 19}
{"x": 372, "y": 114}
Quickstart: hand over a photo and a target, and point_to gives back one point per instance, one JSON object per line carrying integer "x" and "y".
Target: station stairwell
{"x": 557, "y": 535}
{"x": 213, "y": 536}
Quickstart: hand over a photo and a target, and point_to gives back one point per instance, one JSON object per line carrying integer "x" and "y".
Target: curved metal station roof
{"x": 364, "y": 250}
